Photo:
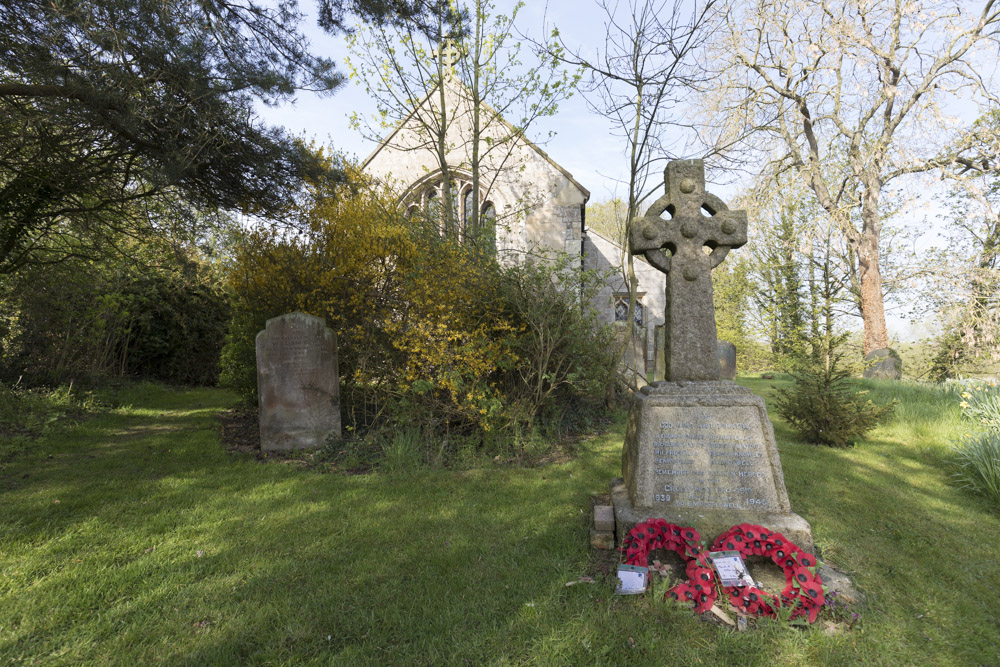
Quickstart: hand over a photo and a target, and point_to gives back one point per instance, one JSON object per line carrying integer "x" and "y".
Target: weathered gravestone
{"x": 727, "y": 360}
{"x": 699, "y": 451}
{"x": 297, "y": 383}
{"x": 883, "y": 364}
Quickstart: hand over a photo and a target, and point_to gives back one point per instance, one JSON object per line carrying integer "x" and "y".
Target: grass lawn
{"x": 133, "y": 537}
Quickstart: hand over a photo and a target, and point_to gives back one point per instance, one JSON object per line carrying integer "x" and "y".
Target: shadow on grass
{"x": 166, "y": 548}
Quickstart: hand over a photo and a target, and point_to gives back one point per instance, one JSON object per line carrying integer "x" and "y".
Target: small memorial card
{"x": 632, "y": 579}
{"x": 732, "y": 571}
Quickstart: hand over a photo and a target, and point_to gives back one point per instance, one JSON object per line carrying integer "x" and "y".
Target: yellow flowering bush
{"x": 427, "y": 333}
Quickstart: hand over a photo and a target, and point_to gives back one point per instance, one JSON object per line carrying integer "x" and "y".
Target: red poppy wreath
{"x": 686, "y": 541}
{"x": 803, "y": 587}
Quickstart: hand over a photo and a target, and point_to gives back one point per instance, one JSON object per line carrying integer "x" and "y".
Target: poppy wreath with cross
{"x": 803, "y": 587}
{"x": 685, "y": 541}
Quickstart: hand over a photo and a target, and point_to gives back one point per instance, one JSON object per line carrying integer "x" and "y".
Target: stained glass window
{"x": 621, "y": 309}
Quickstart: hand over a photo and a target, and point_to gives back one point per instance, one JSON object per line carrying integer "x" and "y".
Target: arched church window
{"x": 490, "y": 212}
{"x": 433, "y": 206}
{"x": 452, "y": 221}
{"x": 488, "y": 226}
{"x": 467, "y": 208}
{"x": 621, "y": 309}
{"x": 430, "y": 200}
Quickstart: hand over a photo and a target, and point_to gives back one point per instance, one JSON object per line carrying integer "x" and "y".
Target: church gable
{"x": 536, "y": 203}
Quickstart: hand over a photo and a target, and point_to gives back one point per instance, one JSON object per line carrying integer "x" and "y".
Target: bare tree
{"x": 468, "y": 96}
{"x": 869, "y": 80}
{"x": 964, "y": 292}
{"x": 637, "y": 80}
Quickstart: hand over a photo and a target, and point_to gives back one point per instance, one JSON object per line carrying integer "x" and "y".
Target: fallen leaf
{"x": 723, "y": 616}
{"x": 581, "y": 580}
{"x": 831, "y": 628}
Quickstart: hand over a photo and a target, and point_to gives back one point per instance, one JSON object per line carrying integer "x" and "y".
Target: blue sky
{"x": 583, "y": 141}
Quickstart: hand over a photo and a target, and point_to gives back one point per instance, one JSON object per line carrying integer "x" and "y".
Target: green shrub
{"x": 977, "y": 455}
{"x": 977, "y": 458}
{"x": 85, "y": 321}
{"x": 824, "y": 406}
{"x": 562, "y": 354}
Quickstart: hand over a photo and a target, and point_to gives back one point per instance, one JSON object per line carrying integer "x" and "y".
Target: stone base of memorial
{"x": 703, "y": 454}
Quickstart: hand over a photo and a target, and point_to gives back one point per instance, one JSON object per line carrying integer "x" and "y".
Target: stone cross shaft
{"x": 686, "y": 233}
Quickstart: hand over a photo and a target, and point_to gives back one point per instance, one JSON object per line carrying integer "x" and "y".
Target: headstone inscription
{"x": 297, "y": 383}
{"x": 698, "y": 450}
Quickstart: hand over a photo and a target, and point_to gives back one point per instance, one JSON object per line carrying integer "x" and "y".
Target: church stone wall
{"x": 604, "y": 255}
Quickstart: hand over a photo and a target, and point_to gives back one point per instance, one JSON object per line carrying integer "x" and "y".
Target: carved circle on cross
{"x": 449, "y": 53}
{"x": 675, "y": 225}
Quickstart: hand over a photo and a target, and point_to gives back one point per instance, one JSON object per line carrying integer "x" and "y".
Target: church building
{"x": 530, "y": 205}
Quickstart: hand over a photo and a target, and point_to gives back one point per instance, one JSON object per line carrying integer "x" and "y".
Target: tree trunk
{"x": 870, "y": 274}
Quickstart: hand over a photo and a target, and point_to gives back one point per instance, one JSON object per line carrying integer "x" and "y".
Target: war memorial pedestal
{"x": 703, "y": 454}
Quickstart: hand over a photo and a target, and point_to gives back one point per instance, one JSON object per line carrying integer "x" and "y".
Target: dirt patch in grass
{"x": 240, "y": 434}
{"x": 240, "y": 431}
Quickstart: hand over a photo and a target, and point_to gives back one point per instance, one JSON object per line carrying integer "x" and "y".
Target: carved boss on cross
{"x": 673, "y": 236}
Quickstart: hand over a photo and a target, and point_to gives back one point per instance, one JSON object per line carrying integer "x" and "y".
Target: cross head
{"x": 686, "y": 233}
{"x": 449, "y": 53}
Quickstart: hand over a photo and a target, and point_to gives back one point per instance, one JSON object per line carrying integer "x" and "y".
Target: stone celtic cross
{"x": 449, "y": 54}
{"x": 686, "y": 233}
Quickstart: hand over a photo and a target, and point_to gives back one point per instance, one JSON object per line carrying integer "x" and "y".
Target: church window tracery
{"x": 621, "y": 309}
{"x": 430, "y": 200}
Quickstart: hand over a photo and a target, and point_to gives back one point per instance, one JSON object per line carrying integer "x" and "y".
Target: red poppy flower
{"x": 813, "y": 591}
{"x": 801, "y": 575}
{"x": 813, "y": 614}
